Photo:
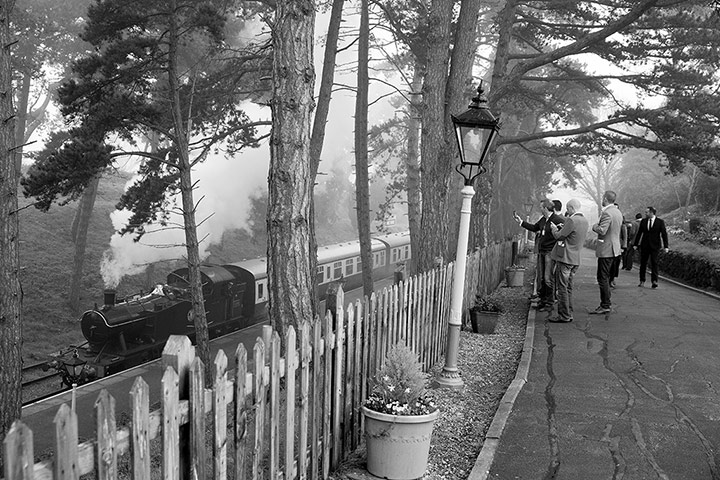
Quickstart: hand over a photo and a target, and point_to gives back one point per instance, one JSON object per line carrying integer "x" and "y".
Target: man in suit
{"x": 545, "y": 246}
{"x": 607, "y": 247}
{"x": 566, "y": 255}
{"x": 651, "y": 237}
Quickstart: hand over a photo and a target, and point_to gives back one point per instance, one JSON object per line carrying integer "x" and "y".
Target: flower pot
{"x": 514, "y": 278}
{"x": 398, "y": 445}
{"x": 483, "y": 322}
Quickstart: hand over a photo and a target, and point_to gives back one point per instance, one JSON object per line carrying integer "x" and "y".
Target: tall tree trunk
{"x": 458, "y": 92}
{"x": 436, "y": 167}
{"x": 326, "y": 83}
{"x": 188, "y": 204}
{"x": 321, "y": 113}
{"x": 80, "y": 231}
{"x": 412, "y": 163}
{"x": 10, "y": 290}
{"x": 362, "y": 179}
{"x": 290, "y": 183}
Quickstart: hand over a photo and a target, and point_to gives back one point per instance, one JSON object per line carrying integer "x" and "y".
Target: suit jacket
{"x": 608, "y": 230}
{"x": 656, "y": 238}
{"x": 570, "y": 240}
{"x": 546, "y": 241}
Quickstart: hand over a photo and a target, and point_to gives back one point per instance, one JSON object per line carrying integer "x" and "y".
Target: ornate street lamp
{"x": 73, "y": 371}
{"x": 74, "y": 367}
{"x": 475, "y": 130}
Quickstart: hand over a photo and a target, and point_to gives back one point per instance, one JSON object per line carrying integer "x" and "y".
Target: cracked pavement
{"x": 629, "y": 395}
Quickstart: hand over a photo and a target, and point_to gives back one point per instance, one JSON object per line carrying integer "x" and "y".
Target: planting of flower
{"x": 398, "y": 388}
{"x": 484, "y": 304}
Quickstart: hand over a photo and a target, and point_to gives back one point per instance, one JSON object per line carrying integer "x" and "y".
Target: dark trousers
{"x": 651, "y": 254}
{"x": 564, "y": 274}
{"x": 615, "y": 269}
{"x": 627, "y": 258}
{"x": 604, "y": 267}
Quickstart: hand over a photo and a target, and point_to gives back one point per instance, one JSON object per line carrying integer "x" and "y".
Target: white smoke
{"x": 222, "y": 195}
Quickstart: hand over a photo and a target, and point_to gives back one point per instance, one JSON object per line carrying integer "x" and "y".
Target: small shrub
{"x": 484, "y": 304}
{"x": 398, "y": 388}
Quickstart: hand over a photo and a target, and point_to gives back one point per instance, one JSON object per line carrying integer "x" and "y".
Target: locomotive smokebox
{"x": 110, "y": 295}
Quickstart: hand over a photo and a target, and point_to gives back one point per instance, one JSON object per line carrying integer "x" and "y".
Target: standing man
{"x": 607, "y": 248}
{"x": 545, "y": 246}
{"x": 651, "y": 237}
{"x": 615, "y": 270}
{"x": 566, "y": 255}
{"x": 632, "y": 228}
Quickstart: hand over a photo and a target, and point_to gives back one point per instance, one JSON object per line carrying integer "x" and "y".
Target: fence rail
{"x": 293, "y": 412}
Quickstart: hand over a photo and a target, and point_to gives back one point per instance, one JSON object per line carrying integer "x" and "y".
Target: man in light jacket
{"x": 607, "y": 247}
{"x": 566, "y": 254}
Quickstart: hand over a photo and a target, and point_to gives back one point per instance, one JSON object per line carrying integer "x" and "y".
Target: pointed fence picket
{"x": 293, "y": 414}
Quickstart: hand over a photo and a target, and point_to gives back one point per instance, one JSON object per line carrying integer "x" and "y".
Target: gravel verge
{"x": 488, "y": 363}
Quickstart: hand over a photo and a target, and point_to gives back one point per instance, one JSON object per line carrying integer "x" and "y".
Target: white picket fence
{"x": 293, "y": 412}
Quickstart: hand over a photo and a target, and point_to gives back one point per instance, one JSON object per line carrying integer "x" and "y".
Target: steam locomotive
{"x": 126, "y": 332}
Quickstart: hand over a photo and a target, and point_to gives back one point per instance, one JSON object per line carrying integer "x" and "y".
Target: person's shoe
{"x": 600, "y": 311}
{"x": 545, "y": 308}
{"x": 534, "y": 296}
{"x": 641, "y": 284}
{"x": 559, "y": 320}
{"x": 654, "y": 285}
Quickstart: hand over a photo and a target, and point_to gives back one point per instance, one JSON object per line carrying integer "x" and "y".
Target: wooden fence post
{"x": 240, "y": 411}
{"x": 106, "y": 458}
{"x": 66, "y": 444}
{"x": 179, "y": 355}
{"x": 19, "y": 456}
{"x": 140, "y": 399}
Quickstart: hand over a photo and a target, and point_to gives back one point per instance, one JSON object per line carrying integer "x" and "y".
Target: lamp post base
{"x": 448, "y": 379}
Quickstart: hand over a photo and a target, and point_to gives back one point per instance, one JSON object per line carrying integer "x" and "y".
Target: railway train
{"x": 126, "y": 332}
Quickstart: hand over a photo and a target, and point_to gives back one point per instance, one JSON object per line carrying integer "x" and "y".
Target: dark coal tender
{"x": 128, "y": 331}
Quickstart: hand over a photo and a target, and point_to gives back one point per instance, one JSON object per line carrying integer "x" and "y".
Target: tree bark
{"x": 435, "y": 163}
{"x": 79, "y": 236}
{"x": 290, "y": 183}
{"x": 460, "y": 88}
{"x": 412, "y": 163}
{"x": 10, "y": 289}
{"x": 362, "y": 178}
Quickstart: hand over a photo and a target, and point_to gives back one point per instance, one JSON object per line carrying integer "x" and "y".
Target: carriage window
{"x": 337, "y": 269}
{"x": 261, "y": 291}
{"x": 407, "y": 251}
{"x": 349, "y": 266}
{"x": 358, "y": 264}
{"x": 320, "y": 275}
{"x": 380, "y": 259}
{"x": 394, "y": 255}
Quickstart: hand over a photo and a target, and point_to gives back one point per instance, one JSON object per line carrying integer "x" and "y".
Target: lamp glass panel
{"x": 472, "y": 142}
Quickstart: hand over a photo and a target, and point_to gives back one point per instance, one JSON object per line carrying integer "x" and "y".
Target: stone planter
{"x": 398, "y": 445}
{"x": 483, "y": 322}
{"x": 514, "y": 277}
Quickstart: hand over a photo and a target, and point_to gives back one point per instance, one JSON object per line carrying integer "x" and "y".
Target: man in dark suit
{"x": 651, "y": 237}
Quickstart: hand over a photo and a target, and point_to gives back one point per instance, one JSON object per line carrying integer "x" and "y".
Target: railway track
{"x": 38, "y": 382}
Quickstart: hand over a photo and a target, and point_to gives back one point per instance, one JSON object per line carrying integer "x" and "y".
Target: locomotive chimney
{"x": 109, "y": 295}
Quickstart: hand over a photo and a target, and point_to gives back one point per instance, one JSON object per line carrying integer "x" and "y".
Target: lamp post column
{"x": 450, "y": 375}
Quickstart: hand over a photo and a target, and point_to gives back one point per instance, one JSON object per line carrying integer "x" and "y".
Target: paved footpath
{"x": 630, "y": 395}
